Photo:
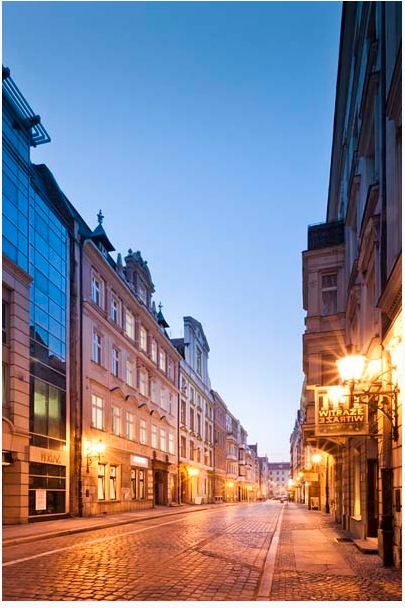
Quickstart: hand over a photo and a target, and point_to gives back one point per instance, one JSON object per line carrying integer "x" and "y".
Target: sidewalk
{"x": 317, "y": 561}
{"x": 310, "y": 557}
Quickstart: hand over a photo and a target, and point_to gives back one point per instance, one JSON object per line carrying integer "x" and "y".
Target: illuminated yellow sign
{"x": 339, "y": 414}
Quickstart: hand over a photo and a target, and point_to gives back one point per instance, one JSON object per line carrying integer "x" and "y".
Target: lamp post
{"x": 94, "y": 452}
{"x": 351, "y": 369}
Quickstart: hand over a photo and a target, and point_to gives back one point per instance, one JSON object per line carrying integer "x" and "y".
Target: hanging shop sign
{"x": 338, "y": 414}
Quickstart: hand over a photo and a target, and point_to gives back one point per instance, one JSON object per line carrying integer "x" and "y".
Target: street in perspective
{"x": 267, "y": 551}
{"x": 202, "y": 338}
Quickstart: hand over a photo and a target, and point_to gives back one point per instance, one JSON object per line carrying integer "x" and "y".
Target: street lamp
{"x": 93, "y": 452}
{"x": 351, "y": 369}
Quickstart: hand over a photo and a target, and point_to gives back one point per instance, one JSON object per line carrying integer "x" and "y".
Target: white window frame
{"x": 130, "y": 379}
{"x": 115, "y": 361}
{"x": 114, "y": 309}
{"x": 154, "y": 436}
{"x": 162, "y": 360}
{"x": 143, "y": 432}
{"x": 130, "y": 426}
{"x": 96, "y": 347}
{"x": 96, "y": 290}
{"x": 171, "y": 443}
{"x": 115, "y": 420}
{"x": 143, "y": 339}
{"x": 153, "y": 352}
{"x": 97, "y": 411}
{"x": 143, "y": 382}
{"x": 129, "y": 324}
{"x": 162, "y": 440}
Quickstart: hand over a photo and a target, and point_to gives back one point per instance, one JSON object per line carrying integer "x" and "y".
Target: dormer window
{"x": 142, "y": 293}
{"x": 199, "y": 362}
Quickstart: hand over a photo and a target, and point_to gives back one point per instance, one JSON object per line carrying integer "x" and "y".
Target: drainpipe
{"x": 387, "y": 517}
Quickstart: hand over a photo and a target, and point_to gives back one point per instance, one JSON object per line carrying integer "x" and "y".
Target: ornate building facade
{"x": 351, "y": 425}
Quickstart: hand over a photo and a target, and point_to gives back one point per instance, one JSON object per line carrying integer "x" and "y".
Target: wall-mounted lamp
{"x": 94, "y": 451}
{"x": 351, "y": 369}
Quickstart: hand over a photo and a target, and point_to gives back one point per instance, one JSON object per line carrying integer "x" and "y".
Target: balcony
{"x": 327, "y": 234}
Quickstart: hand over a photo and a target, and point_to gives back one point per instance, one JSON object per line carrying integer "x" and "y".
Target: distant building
{"x": 196, "y": 421}
{"x": 278, "y": 476}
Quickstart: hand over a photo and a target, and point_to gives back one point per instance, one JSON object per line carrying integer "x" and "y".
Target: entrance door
{"x": 159, "y": 488}
{"x": 372, "y": 497}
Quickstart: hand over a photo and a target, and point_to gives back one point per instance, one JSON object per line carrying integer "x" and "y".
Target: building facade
{"x": 130, "y": 386}
{"x": 196, "y": 417}
{"x": 351, "y": 425}
{"x": 220, "y": 410}
{"x": 36, "y": 260}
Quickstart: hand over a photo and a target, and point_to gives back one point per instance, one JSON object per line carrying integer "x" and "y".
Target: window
{"x": 162, "y": 360}
{"x": 97, "y": 410}
{"x": 170, "y": 369}
{"x": 163, "y": 440}
{"x": 183, "y": 412}
{"x": 163, "y": 397}
{"x": 101, "y": 482}
{"x": 96, "y": 348}
{"x": 192, "y": 418}
{"x": 143, "y": 339}
{"x": 130, "y": 373}
{"x": 96, "y": 290}
{"x": 130, "y": 324}
{"x": 143, "y": 382}
{"x": 114, "y": 309}
{"x": 154, "y": 391}
{"x": 113, "y": 483}
{"x": 142, "y": 293}
{"x": 171, "y": 443}
{"x": 199, "y": 361}
{"x": 329, "y": 294}
{"x": 115, "y": 420}
{"x": 191, "y": 450}
{"x": 142, "y": 432}
{"x": 153, "y": 353}
{"x": 130, "y": 426}
{"x": 198, "y": 423}
{"x": 183, "y": 449}
{"x": 114, "y": 361}
{"x": 154, "y": 441}
{"x": 141, "y": 484}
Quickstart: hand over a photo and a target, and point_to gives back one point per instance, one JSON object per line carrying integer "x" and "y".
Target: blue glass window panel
{"x": 9, "y": 249}
{"x": 41, "y": 263}
{"x": 22, "y": 260}
{"x": 41, "y": 299}
{"x": 40, "y": 226}
{"x": 22, "y": 200}
{"x": 41, "y": 281}
{"x": 41, "y": 317}
{"x": 10, "y": 211}
{"x": 41, "y": 335}
{"x": 56, "y": 311}
{"x": 41, "y": 244}
{"x": 56, "y": 295}
{"x": 9, "y": 188}
{"x": 22, "y": 243}
{"x": 23, "y": 223}
{"x": 9, "y": 230}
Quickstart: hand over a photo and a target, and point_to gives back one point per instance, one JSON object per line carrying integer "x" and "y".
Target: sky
{"x": 203, "y": 131}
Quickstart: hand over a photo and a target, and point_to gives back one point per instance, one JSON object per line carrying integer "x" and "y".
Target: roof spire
{"x": 100, "y": 217}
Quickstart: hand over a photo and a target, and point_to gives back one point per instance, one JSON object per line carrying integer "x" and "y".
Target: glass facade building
{"x": 35, "y": 243}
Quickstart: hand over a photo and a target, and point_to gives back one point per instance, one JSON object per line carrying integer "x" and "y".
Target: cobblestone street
{"x": 259, "y": 552}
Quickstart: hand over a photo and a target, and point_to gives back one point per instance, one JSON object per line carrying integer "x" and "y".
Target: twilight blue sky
{"x": 203, "y": 132}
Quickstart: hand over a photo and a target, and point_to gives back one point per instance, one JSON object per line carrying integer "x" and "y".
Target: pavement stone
{"x": 305, "y": 560}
